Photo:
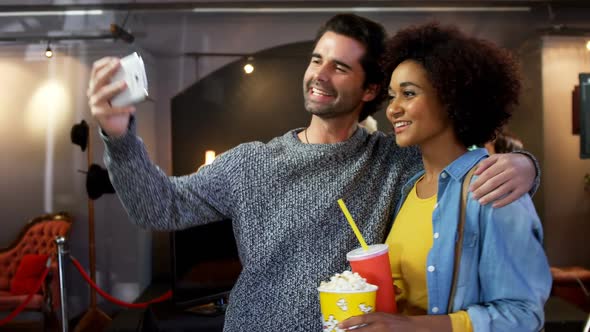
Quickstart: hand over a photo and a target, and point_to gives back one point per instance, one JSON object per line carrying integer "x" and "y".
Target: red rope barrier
{"x": 108, "y": 297}
{"x": 22, "y": 306}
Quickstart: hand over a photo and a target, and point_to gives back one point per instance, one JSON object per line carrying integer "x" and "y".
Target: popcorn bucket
{"x": 337, "y": 306}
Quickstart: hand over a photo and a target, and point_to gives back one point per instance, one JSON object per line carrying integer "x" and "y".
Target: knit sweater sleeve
{"x": 537, "y": 181}
{"x": 156, "y": 201}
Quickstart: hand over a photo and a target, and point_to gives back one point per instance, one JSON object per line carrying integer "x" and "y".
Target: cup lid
{"x": 372, "y": 251}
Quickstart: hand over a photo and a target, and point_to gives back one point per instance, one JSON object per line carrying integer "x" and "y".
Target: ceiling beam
{"x": 187, "y": 6}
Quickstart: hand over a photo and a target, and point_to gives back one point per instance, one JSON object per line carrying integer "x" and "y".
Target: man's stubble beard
{"x": 327, "y": 112}
{"x": 322, "y": 112}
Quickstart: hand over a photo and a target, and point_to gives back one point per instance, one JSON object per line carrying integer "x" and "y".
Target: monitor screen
{"x": 205, "y": 263}
{"x": 585, "y": 115}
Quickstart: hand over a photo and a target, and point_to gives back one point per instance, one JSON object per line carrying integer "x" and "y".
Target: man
{"x": 281, "y": 196}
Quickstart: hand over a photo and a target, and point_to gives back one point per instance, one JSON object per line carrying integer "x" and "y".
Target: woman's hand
{"x": 382, "y": 322}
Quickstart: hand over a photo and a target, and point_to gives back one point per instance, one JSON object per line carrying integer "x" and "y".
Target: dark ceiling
{"x": 154, "y": 18}
{"x": 10, "y": 5}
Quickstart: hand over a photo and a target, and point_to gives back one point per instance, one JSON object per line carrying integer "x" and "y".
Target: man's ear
{"x": 370, "y": 92}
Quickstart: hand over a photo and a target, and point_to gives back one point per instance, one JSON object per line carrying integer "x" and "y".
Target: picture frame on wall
{"x": 576, "y": 110}
{"x": 584, "y": 103}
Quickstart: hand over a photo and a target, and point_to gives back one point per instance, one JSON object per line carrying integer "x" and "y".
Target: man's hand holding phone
{"x": 115, "y": 84}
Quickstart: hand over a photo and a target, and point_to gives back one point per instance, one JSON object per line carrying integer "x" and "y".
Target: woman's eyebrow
{"x": 406, "y": 84}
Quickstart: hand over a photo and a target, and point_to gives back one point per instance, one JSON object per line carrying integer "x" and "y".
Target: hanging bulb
{"x": 48, "y": 51}
{"x": 249, "y": 67}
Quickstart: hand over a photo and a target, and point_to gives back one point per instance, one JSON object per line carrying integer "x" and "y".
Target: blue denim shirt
{"x": 504, "y": 277}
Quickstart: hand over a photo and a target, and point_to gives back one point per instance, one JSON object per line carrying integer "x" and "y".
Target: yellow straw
{"x": 352, "y": 224}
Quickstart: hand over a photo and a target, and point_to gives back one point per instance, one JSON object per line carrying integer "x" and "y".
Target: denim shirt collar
{"x": 457, "y": 170}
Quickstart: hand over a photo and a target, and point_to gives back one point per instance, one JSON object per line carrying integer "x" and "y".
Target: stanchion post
{"x": 62, "y": 251}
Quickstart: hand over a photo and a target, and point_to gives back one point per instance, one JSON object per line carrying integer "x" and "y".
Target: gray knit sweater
{"x": 282, "y": 197}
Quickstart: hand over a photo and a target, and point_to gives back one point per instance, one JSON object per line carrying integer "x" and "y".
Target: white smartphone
{"x": 132, "y": 71}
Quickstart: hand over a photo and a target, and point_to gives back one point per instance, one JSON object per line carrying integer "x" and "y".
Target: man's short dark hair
{"x": 477, "y": 82}
{"x": 372, "y": 35}
{"x": 507, "y": 142}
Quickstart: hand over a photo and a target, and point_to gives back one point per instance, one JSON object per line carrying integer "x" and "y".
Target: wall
{"x": 237, "y": 108}
{"x": 527, "y": 119}
{"x": 567, "y": 206}
{"x": 41, "y": 99}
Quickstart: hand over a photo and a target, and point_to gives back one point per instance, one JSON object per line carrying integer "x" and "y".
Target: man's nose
{"x": 322, "y": 73}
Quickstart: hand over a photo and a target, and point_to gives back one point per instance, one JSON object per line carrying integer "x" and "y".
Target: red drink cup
{"x": 373, "y": 265}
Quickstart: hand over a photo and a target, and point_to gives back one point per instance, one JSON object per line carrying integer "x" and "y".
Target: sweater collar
{"x": 358, "y": 137}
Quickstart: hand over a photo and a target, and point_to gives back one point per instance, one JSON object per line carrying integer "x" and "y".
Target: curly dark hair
{"x": 372, "y": 35}
{"x": 476, "y": 81}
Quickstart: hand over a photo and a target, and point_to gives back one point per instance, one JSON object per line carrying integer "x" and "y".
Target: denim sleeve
{"x": 514, "y": 272}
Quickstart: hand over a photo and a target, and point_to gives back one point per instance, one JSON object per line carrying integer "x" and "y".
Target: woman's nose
{"x": 394, "y": 110}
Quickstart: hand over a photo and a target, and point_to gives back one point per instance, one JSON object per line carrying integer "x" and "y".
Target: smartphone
{"x": 132, "y": 71}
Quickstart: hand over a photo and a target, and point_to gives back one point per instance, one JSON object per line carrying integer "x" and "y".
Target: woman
{"x": 448, "y": 92}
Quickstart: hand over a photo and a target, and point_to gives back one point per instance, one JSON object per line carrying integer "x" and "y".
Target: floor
{"x": 560, "y": 316}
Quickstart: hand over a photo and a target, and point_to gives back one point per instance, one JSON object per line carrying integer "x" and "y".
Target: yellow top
{"x": 410, "y": 240}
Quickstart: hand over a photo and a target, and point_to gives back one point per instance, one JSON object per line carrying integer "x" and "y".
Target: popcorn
{"x": 346, "y": 281}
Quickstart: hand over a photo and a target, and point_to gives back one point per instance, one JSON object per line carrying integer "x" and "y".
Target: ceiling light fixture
{"x": 48, "y": 51}
{"x": 249, "y": 67}
{"x": 53, "y": 13}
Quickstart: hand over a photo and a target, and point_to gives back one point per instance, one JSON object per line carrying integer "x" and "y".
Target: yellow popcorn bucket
{"x": 337, "y": 306}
